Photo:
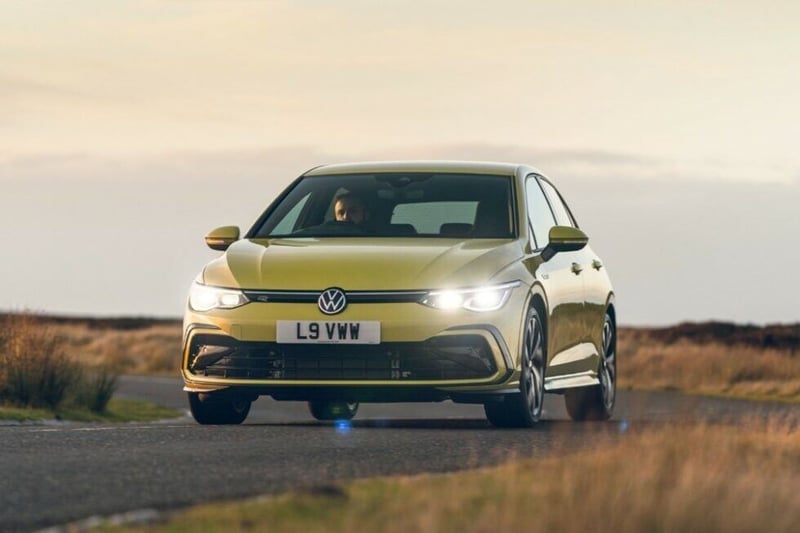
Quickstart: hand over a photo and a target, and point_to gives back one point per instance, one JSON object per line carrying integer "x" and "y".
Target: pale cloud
{"x": 669, "y": 79}
{"x": 605, "y": 165}
{"x": 293, "y": 160}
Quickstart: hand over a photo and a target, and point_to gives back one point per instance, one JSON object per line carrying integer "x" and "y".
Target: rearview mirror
{"x": 221, "y": 238}
{"x": 564, "y": 239}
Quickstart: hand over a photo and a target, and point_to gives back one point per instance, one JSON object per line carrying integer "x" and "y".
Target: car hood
{"x": 360, "y": 263}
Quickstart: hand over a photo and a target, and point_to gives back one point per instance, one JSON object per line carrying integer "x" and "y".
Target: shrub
{"x": 35, "y": 372}
{"x": 95, "y": 389}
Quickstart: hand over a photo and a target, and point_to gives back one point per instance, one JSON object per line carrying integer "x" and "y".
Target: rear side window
{"x": 539, "y": 214}
{"x": 563, "y": 216}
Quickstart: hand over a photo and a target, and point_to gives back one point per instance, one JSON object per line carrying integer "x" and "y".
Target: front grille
{"x": 311, "y": 297}
{"x": 440, "y": 358}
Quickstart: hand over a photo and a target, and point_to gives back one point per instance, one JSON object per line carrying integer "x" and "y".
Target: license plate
{"x": 328, "y": 332}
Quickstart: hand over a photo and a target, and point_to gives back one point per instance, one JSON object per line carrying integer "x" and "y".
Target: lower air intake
{"x": 451, "y": 357}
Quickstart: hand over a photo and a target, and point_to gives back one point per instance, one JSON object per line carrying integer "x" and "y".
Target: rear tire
{"x": 327, "y": 410}
{"x": 524, "y": 409}
{"x": 218, "y": 409}
{"x": 597, "y": 402}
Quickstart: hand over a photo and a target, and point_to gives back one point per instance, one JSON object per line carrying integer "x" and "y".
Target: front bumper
{"x": 424, "y": 353}
{"x": 460, "y": 356}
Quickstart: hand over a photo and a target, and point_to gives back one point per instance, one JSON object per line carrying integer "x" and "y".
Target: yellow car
{"x": 417, "y": 281}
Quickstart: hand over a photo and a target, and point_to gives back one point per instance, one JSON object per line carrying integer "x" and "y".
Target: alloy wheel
{"x": 533, "y": 366}
{"x": 608, "y": 365}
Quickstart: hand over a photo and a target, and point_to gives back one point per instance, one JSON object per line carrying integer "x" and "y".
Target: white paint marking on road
{"x": 140, "y": 517}
{"x": 122, "y": 428}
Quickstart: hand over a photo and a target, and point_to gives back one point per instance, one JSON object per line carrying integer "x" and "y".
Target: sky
{"x": 128, "y": 129}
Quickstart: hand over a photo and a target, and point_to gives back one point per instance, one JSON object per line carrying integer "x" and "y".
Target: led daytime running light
{"x": 481, "y": 299}
{"x": 206, "y": 298}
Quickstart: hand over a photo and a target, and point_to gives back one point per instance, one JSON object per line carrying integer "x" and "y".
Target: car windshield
{"x": 464, "y": 206}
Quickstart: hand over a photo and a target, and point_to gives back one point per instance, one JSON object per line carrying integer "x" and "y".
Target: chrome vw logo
{"x": 332, "y": 301}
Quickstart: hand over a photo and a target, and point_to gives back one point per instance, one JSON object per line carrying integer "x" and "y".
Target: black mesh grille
{"x": 441, "y": 358}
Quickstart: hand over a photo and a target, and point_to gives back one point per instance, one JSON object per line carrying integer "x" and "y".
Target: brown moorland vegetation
{"x": 128, "y": 345}
{"x": 709, "y": 357}
{"x": 35, "y": 371}
{"x": 713, "y": 358}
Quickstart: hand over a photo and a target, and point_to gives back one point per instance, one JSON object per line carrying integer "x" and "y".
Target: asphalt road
{"x": 62, "y": 472}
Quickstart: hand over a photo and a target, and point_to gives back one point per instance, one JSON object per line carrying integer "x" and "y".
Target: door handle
{"x": 596, "y": 264}
{"x": 576, "y": 268}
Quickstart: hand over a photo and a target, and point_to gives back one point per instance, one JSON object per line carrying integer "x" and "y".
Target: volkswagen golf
{"x": 415, "y": 281}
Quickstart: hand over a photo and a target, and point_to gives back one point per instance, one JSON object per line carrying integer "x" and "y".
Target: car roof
{"x": 456, "y": 167}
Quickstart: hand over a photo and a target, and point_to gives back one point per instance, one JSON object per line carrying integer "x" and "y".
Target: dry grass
{"x": 126, "y": 346}
{"x": 703, "y": 478}
{"x": 748, "y": 363}
{"x": 35, "y": 370}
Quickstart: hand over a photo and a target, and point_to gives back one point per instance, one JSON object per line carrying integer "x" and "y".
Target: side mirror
{"x": 222, "y": 238}
{"x": 564, "y": 239}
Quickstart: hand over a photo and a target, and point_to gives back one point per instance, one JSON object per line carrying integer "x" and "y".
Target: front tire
{"x": 219, "y": 409}
{"x": 327, "y": 410}
{"x": 597, "y": 402}
{"x": 525, "y": 409}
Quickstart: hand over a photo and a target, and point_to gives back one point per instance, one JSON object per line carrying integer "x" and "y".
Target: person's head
{"x": 349, "y": 207}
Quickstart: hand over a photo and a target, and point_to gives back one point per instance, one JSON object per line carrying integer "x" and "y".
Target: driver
{"x": 351, "y": 208}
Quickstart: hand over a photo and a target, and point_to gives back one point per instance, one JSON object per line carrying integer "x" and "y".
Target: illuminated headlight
{"x": 489, "y": 298}
{"x": 205, "y": 298}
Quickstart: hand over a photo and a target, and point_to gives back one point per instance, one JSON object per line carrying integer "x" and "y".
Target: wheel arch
{"x": 611, "y": 311}
{"x": 538, "y": 300}
{"x": 611, "y": 308}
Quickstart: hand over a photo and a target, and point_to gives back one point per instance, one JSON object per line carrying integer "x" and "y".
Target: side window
{"x": 538, "y": 212}
{"x": 563, "y": 217}
{"x": 289, "y": 221}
